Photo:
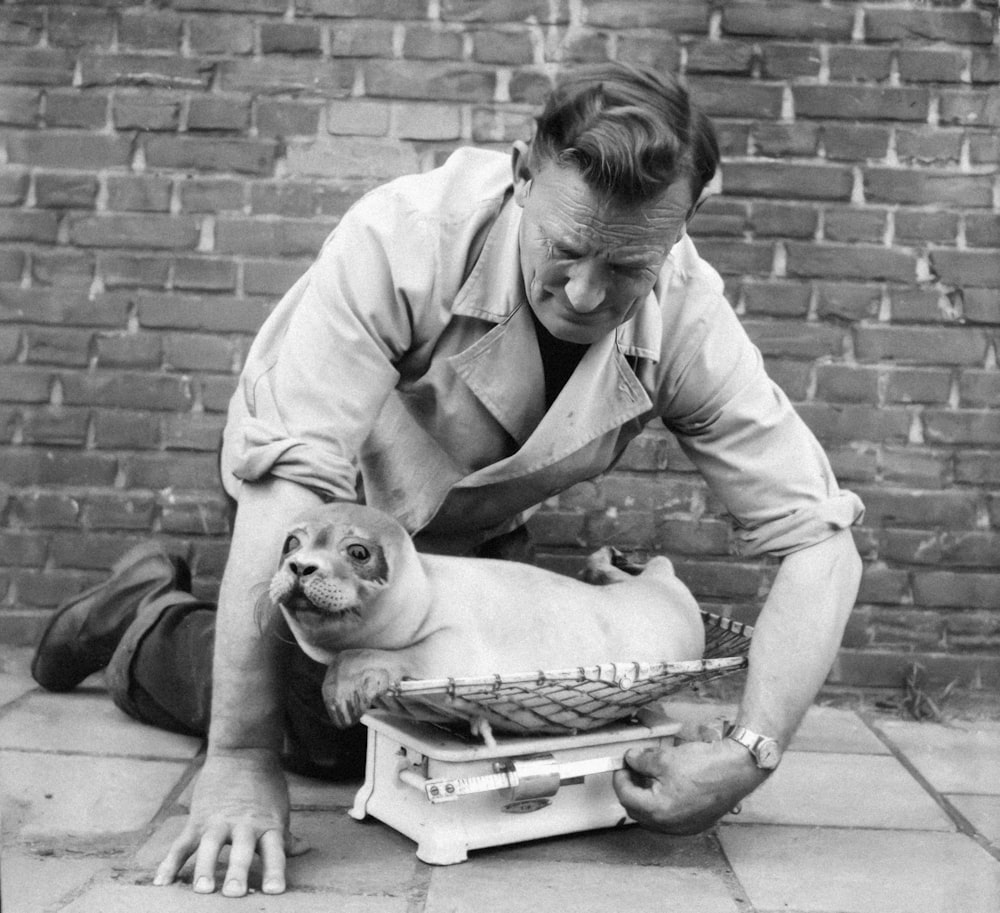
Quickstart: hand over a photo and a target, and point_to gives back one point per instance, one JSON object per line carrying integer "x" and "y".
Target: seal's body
{"x": 358, "y": 597}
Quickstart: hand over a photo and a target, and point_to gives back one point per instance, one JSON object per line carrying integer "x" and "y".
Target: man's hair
{"x": 629, "y": 130}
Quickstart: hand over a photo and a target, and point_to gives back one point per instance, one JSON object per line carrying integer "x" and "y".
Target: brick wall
{"x": 168, "y": 168}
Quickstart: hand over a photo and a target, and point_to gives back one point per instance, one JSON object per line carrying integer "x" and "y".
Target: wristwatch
{"x": 765, "y": 751}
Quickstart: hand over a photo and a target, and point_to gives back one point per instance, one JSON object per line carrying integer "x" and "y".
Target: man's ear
{"x": 520, "y": 155}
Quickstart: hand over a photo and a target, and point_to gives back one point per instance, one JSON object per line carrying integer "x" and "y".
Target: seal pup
{"x": 359, "y": 598}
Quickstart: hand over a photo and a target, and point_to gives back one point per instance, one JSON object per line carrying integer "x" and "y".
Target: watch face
{"x": 768, "y": 754}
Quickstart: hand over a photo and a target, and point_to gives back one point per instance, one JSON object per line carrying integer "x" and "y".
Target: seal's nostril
{"x": 302, "y": 570}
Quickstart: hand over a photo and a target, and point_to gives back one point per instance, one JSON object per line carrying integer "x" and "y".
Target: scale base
{"x": 402, "y": 754}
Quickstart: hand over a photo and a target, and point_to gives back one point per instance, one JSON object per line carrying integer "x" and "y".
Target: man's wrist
{"x": 763, "y": 750}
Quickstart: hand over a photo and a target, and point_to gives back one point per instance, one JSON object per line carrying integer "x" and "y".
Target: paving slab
{"x": 835, "y": 870}
{"x": 958, "y": 758}
{"x": 115, "y": 898}
{"x": 53, "y": 795}
{"x": 87, "y": 721}
{"x": 982, "y": 812}
{"x": 843, "y": 790}
{"x": 33, "y": 882}
{"x": 831, "y": 729}
{"x": 497, "y": 887}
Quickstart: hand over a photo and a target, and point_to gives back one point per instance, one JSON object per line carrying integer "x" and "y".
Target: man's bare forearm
{"x": 246, "y": 696}
{"x": 798, "y": 633}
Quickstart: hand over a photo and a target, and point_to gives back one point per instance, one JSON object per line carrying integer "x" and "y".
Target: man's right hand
{"x": 240, "y": 800}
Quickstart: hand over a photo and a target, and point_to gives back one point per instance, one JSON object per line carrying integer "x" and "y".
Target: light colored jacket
{"x": 403, "y": 368}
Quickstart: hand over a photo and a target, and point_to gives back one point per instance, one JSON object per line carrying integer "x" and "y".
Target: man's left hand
{"x": 686, "y": 788}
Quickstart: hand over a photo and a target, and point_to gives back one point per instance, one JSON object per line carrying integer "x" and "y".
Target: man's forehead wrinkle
{"x": 575, "y": 223}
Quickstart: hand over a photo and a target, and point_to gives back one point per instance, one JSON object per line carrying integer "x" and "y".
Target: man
{"x": 468, "y": 343}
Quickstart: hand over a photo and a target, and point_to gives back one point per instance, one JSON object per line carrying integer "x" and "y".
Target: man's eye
{"x": 358, "y": 552}
{"x": 291, "y": 543}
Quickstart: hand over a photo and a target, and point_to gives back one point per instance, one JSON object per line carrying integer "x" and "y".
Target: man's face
{"x": 589, "y": 262}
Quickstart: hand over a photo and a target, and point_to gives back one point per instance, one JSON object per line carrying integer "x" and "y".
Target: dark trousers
{"x": 161, "y": 674}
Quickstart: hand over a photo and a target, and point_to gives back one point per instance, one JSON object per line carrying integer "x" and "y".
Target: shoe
{"x": 85, "y": 630}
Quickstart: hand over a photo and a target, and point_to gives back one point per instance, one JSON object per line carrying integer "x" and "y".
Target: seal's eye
{"x": 358, "y": 552}
{"x": 291, "y": 543}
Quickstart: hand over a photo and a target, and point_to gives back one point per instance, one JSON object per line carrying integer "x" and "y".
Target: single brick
{"x": 128, "y": 389}
{"x": 350, "y": 158}
{"x": 985, "y": 66}
{"x": 977, "y": 467}
{"x": 199, "y": 273}
{"x": 776, "y": 299}
{"x": 182, "y": 153}
{"x": 216, "y": 392}
{"x": 66, "y": 268}
{"x": 12, "y": 265}
{"x": 529, "y": 86}
{"x": 981, "y": 305}
{"x": 929, "y": 65}
{"x": 787, "y": 181}
{"x": 25, "y": 466}
{"x": 956, "y": 589}
{"x": 195, "y": 471}
{"x": 432, "y": 42}
{"x": 846, "y": 384}
{"x": 23, "y": 549}
{"x": 781, "y": 220}
{"x": 720, "y": 57}
{"x": 791, "y": 376}
{"x": 880, "y": 584}
{"x": 557, "y": 528}
{"x": 19, "y": 107}
{"x": 193, "y": 431}
{"x": 358, "y": 117}
{"x": 135, "y": 231}
{"x": 428, "y": 122}
{"x": 365, "y": 9}
{"x": 69, "y": 149}
{"x": 927, "y": 386}
{"x": 957, "y": 26}
{"x": 848, "y": 300}
{"x": 788, "y": 20}
{"x": 20, "y": 384}
{"x": 278, "y": 76}
{"x": 690, "y": 16}
{"x": 91, "y": 550}
{"x": 28, "y": 225}
{"x": 859, "y": 102}
{"x": 55, "y": 426}
{"x": 786, "y": 61}
{"x": 775, "y": 140}
{"x": 66, "y": 307}
{"x": 21, "y": 25}
{"x": 954, "y": 548}
{"x": 966, "y": 267}
{"x": 211, "y": 194}
{"x": 76, "y": 109}
{"x": 51, "y": 346}
{"x": 919, "y": 305}
{"x": 977, "y": 428}
{"x": 853, "y": 464}
{"x": 37, "y": 66}
{"x": 719, "y": 217}
{"x": 838, "y": 423}
{"x": 856, "y": 143}
{"x": 290, "y": 38}
{"x": 129, "y": 350}
{"x": 900, "y": 185}
{"x": 626, "y": 529}
{"x": 14, "y": 184}
{"x": 795, "y": 339}
{"x": 974, "y": 108}
{"x": 720, "y": 579}
{"x": 65, "y": 190}
{"x": 509, "y": 46}
{"x": 734, "y": 98}
{"x": 272, "y": 277}
{"x": 287, "y": 198}
{"x": 294, "y": 237}
{"x": 226, "y": 315}
{"x": 733, "y": 137}
{"x": 219, "y": 113}
{"x": 147, "y": 111}
{"x": 126, "y": 510}
{"x": 439, "y": 81}
{"x": 916, "y": 467}
{"x": 849, "y": 261}
{"x": 221, "y": 34}
{"x": 123, "y": 271}
{"x": 738, "y": 258}
{"x": 145, "y": 30}
{"x": 139, "y": 192}
{"x": 49, "y": 588}
{"x": 198, "y": 352}
{"x": 661, "y": 50}
{"x": 144, "y": 70}
{"x": 850, "y": 63}
{"x": 362, "y": 39}
{"x": 846, "y": 225}
{"x": 921, "y": 345}
{"x": 288, "y": 118}
{"x": 982, "y": 230}
{"x": 920, "y": 225}
{"x": 909, "y": 508}
{"x": 80, "y": 28}
{"x": 194, "y": 516}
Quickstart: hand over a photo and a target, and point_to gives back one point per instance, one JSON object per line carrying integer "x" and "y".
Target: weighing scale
{"x": 560, "y": 735}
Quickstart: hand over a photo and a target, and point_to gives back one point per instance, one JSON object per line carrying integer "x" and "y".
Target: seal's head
{"x": 336, "y": 564}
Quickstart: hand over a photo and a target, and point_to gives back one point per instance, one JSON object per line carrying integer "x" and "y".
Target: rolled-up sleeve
{"x": 322, "y": 365}
{"x": 742, "y": 433}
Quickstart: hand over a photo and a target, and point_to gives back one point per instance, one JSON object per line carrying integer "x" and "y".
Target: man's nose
{"x": 586, "y": 286}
